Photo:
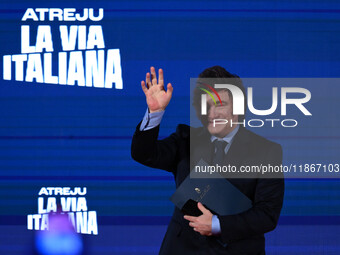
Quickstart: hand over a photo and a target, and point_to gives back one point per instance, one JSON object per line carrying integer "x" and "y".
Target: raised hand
{"x": 156, "y": 97}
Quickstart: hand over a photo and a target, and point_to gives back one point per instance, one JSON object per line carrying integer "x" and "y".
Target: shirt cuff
{"x": 151, "y": 120}
{"x": 215, "y": 225}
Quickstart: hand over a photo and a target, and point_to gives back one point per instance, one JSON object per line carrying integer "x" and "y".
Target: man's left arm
{"x": 261, "y": 218}
{"x": 264, "y": 214}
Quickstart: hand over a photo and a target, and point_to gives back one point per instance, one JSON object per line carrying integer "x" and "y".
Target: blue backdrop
{"x": 72, "y": 136}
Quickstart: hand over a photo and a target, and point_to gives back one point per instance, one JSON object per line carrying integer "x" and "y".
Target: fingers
{"x": 147, "y": 79}
{"x": 203, "y": 232}
{"x": 169, "y": 89}
{"x": 153, "y": 76}
{"x": 160, "y": 77}
{"x": 200, "y": 224}
{"x": 151, "y": 79}
{"x": 202, "y": 208}
{"x": 194, "y": 225}
{"x": 145, "y": 90}
{"x": 190, "y": 218}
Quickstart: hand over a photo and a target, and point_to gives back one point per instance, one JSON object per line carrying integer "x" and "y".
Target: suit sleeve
{"x": 264, "y": 214}
{"x": 149, "y": 151}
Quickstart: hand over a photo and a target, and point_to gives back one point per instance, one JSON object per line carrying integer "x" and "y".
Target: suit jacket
{"x": 243, "y": 233}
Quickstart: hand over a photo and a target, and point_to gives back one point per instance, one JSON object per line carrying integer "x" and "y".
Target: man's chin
{"x": 215, "y": 131}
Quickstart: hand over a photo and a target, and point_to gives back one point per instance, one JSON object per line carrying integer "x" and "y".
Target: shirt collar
{"x": 228, "y": 138}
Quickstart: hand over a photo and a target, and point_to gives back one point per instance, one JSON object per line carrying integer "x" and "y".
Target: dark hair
{"x": 216, "y": 72}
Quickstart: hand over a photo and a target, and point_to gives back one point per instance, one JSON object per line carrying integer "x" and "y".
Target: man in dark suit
{"x": 242, "y": 233}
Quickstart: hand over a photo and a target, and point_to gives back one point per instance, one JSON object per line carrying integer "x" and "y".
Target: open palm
{"x": 156, "y": 97}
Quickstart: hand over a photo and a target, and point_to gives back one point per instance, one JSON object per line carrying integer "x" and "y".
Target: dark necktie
{"x": 219, "y": 152}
